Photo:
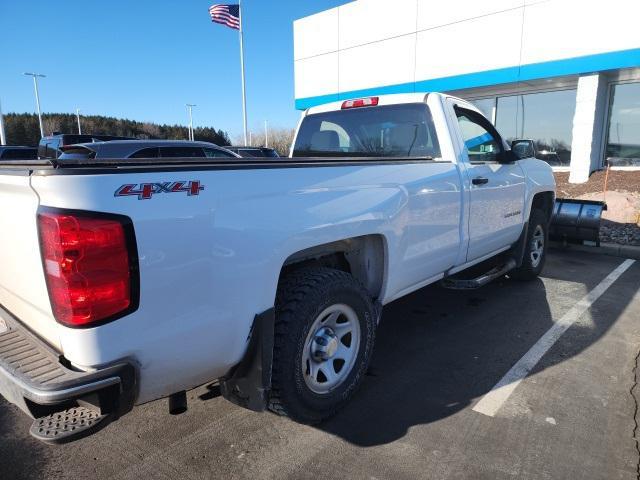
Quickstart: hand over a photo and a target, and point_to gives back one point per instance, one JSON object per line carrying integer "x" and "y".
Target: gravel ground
{"x": 620, "y": 233}
{"x": 620, "y": 181}
{"x": 620, "y": 222}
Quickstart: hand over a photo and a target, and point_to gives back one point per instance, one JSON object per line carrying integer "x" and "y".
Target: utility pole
{"x": 35, "y": 86}
{"x": 3, "y": 137}
{"x": 250, "y": 140}
{"x": 266, "y": 134}
{"x": 190, "y": 108}
{"x": 78, "y": 118}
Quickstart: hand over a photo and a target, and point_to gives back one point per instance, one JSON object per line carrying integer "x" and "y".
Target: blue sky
{"x": 144, "y": 60}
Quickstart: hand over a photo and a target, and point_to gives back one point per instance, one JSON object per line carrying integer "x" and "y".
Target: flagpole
{"x": 244, "y": 95}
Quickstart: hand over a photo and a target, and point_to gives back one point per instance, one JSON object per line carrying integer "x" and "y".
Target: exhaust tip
{"x": 178, "y": 403}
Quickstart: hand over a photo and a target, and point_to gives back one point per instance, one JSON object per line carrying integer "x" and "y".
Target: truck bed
{"x": 129, "y": 165}
{"x": 245, "y": 221}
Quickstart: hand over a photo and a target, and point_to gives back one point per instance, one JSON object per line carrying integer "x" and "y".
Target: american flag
{"x": 228, "y": 15}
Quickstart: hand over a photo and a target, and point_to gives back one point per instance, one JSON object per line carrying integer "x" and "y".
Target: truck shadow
{"x": 22, "y": 457}
{"x": 438, "y": 351}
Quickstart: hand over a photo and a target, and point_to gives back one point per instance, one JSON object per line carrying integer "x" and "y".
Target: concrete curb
{"x": 612, "y": 249}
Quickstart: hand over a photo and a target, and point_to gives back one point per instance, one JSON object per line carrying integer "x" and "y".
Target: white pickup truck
{"x": 126, "y": 281}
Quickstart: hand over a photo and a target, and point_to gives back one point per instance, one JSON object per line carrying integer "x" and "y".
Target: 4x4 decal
{"x": 144, "y": 191}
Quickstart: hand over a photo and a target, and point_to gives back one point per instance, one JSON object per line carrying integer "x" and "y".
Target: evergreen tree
{"x": 23, "y": 128}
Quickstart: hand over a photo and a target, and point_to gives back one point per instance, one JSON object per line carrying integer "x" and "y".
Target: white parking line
{"x": 492, "y": 401}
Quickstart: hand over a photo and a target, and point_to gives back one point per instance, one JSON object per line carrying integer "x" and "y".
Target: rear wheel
{"x": 324, "y": 335}
{"x": 535, "y": 253}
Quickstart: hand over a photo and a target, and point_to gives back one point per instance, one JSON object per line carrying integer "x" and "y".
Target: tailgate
{"x": 23, "y": 290}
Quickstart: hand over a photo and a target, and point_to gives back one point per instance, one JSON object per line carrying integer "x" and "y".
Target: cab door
{"x": 497, "y": 186}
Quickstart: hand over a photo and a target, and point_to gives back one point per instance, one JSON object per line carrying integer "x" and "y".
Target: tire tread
{"x": 293, "y": 290}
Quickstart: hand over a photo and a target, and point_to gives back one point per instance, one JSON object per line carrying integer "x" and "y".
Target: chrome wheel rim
{"x": 537, "y": 246}
{"x": 331, "y": 348}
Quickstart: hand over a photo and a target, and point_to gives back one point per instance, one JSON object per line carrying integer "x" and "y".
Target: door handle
{"x": 480, "y": 181}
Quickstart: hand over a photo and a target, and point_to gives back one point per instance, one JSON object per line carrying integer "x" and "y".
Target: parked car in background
{"x": 146, "y": 149}
{"x": 254, "y": 151}
{"x": 51, "y": 145}
{"x": 15, "y": 152}
{"x": 532, "y": 148}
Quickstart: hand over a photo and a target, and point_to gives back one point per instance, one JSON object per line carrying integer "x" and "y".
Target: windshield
{"x": 387, "y": 131}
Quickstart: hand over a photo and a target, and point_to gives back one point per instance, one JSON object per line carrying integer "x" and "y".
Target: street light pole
{"x": 78, "y": 118}
{"x": 266, "y": 134}
{"x": 190, "y": 108}
{"x": 3, "y": 138}
{"x": 35, "y": 86}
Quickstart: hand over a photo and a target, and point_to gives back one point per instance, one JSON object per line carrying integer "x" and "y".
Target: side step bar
{"x": 473, "y": 283}
{"x": 68, "y": 425}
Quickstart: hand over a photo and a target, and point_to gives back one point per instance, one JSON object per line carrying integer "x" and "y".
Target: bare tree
{"x": 151, "y": 130}
{"x": 52, "y": 124}
{"x": 279, "y": 139}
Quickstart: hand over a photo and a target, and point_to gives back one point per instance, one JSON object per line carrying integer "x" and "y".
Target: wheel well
{"x": 543, "y": 201}
{"x": 363, "y": 257}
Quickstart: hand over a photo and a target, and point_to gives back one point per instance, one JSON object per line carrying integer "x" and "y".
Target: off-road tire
{"x": 302, "y": 296}
{"x": 529, "y": 269}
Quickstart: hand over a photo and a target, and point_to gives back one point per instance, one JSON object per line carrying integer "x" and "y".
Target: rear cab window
{"x": 404, "y": 130}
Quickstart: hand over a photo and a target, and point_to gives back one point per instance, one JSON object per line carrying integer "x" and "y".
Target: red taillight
{"x": 87, "y": 267}
{"x": 360, "y": 102}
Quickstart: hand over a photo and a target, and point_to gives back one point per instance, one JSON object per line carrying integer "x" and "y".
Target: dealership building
{"x": 565, "y": 73}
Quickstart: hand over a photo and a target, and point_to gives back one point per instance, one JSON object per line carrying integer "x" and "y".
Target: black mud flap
{"x": 249, "y": 382}
{"x": 521, "y": 245}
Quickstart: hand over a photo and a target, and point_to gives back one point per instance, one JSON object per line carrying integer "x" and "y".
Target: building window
{"x": 623, "y": 141}
{"x": 486, "y": 106}
{"x": 546, "y": 118}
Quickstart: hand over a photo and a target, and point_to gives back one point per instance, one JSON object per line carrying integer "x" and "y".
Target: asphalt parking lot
{"x": 439, "y": 353}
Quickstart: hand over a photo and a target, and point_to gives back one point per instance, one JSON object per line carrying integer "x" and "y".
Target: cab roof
{"x": 388, "y": 99}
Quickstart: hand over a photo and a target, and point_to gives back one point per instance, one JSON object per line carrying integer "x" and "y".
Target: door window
{"x": 181, "y": 152}
{"x": 482, "y": 143}
{"x": 214, "y": 153}
{"x": 19, "y": 154}
{"x": 146, "y": 153}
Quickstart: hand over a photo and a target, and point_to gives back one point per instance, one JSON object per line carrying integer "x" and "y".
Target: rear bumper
{"x": 33, "y": 376}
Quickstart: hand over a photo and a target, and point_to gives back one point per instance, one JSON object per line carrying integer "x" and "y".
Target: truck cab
{"x": 495, "y": 181}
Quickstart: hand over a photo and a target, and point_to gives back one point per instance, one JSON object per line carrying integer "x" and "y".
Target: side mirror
{"x": 507, "y": 156}
{"x": 523, "y": 148}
